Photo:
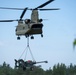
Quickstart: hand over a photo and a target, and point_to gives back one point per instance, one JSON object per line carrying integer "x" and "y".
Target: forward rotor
{"x": 25, "y": 9}
{"x": 10, "y": 20}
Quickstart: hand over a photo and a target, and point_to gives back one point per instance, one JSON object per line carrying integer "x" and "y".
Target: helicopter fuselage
{"x": 29, "y": 29}
{"x": 32, "y": 26}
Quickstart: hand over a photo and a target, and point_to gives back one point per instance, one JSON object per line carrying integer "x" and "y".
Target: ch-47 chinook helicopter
{"x": 29, "y": 27}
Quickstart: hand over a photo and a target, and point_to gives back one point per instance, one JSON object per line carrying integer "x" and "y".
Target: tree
{"x": 74, "y": 43}
{"x": 5, "y": 69}
{"x": 59, "y": 69}
{"x": 48, "y": 72}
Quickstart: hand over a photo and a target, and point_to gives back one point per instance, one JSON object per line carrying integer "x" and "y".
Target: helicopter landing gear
{"x": 26, "y": 36}
{"x": 18, "y": 38}
{"x": 41, "y": 35}
{"x": 32, "y": 37}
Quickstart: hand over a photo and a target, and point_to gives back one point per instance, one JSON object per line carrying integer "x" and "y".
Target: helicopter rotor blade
{"x": 48, "y": 9}
{"x": 44, "y": 4}
{"x": 11, "y": 8}
{"x": 24, "y": 10}
{"x": 8, "y": 20}
{"x": 23, "y": 13}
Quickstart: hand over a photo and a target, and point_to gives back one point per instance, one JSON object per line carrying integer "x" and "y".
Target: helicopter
{"x": 29, "y": 27}
{"x": 26, "y": 64}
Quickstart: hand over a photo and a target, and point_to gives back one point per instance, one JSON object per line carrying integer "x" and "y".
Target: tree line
{"x": 58, "y": 69}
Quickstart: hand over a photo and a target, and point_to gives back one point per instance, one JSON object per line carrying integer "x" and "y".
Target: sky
{"x": 59, "y": 32}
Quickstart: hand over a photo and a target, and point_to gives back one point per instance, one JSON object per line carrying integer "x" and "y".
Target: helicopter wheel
{"x": 32, "y": 37}
{"x": 41, "y": 35}
{"x": 18, "y": 38}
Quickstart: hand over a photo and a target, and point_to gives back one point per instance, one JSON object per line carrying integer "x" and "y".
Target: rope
{"x": 26, "y": 54}
{"x": 23, "y": 53}
{"x": 26, "y": 49}
{"x": 31, "y": 54}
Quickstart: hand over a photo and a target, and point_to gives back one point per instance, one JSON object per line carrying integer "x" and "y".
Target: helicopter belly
{"x": 29, "y": 32}
{"x": 34, "y": 31}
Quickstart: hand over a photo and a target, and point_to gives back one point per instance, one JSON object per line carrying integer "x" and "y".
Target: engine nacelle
{"x": 27, "y": 21}
{"x": 40, "y": 20}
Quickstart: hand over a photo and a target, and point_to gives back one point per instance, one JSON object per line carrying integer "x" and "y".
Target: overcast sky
{"x": 59, "y": 33}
